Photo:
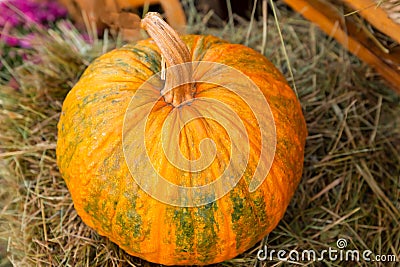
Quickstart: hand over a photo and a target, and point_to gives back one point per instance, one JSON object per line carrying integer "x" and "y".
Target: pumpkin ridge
{"x": 185, "y": 134}
{"x": 92, "y": 211}
{"x": 104, "y": 139}
{"x": 119, "y": 224}
{"x": 210, "y": 132}
{"x": 160, "y": 216}
{"x": 121, "y": 60}
{"x": 194, "y": 49}
{"x": 195, "y": 230}
{"x": 145, "y": 55}
{"x": 68, "y": 160}
{"x": 141, "y": 65}
{"x": 205, "y": 126}
{"x": 192, "y": 211}
{"x": 240, "y": 218}
{"x": 245, "y": 188}
{"x": 202, "y": 92}
{"x": 209, "y": 236}
{"x": 229, "y": 232}
{"x": 250, "y": 128}
{"x": 248, "y": 195}
{"x": 113, "y": 219}
{"x": 202, "y": 45}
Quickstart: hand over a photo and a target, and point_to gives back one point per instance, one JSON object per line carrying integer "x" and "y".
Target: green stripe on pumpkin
{"x": 145, "y": 55}
{"x": 206, "y": 234}
{"x": 245, "y": 223}
{"x": 184, "y": 235}
{"x": 195, "y": 236}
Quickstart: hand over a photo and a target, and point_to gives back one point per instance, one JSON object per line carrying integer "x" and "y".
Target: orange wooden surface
{"x": 375, "y": 15}
{"x": 348, "y": 33}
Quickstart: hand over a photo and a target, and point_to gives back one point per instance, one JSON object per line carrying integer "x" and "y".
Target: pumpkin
{"x": 125, "y": 182}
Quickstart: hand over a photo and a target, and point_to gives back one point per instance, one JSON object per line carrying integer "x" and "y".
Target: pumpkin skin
{"x": 91, "y": 159}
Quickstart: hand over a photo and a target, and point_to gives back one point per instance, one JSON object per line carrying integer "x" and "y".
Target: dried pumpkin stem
{"x": 175, "y": 53}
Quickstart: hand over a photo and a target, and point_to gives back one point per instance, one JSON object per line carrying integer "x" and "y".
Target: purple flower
{"x": 20, "y": 12}
{"x": 26, "y": 41}
{"x": 11, "y": 40}
{"x": 19, "y": 16}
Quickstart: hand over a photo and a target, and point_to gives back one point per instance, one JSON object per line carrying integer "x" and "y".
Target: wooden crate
{"x": 370, "y": 29}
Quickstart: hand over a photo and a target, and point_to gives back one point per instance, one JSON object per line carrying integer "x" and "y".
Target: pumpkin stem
{"x": 175, "y": 52}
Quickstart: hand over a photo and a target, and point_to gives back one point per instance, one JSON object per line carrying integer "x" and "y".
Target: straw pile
{"x": 351, "y": 182}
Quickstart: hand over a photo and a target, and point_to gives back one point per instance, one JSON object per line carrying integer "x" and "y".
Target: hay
{"x": 350, "y": 187}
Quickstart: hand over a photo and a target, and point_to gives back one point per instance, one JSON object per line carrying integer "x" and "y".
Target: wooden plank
{"x": 349, "y": 34}
{"x": 375, "y": 15}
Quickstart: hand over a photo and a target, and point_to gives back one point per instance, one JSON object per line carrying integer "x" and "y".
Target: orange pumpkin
{"x": 116, "y": 186}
